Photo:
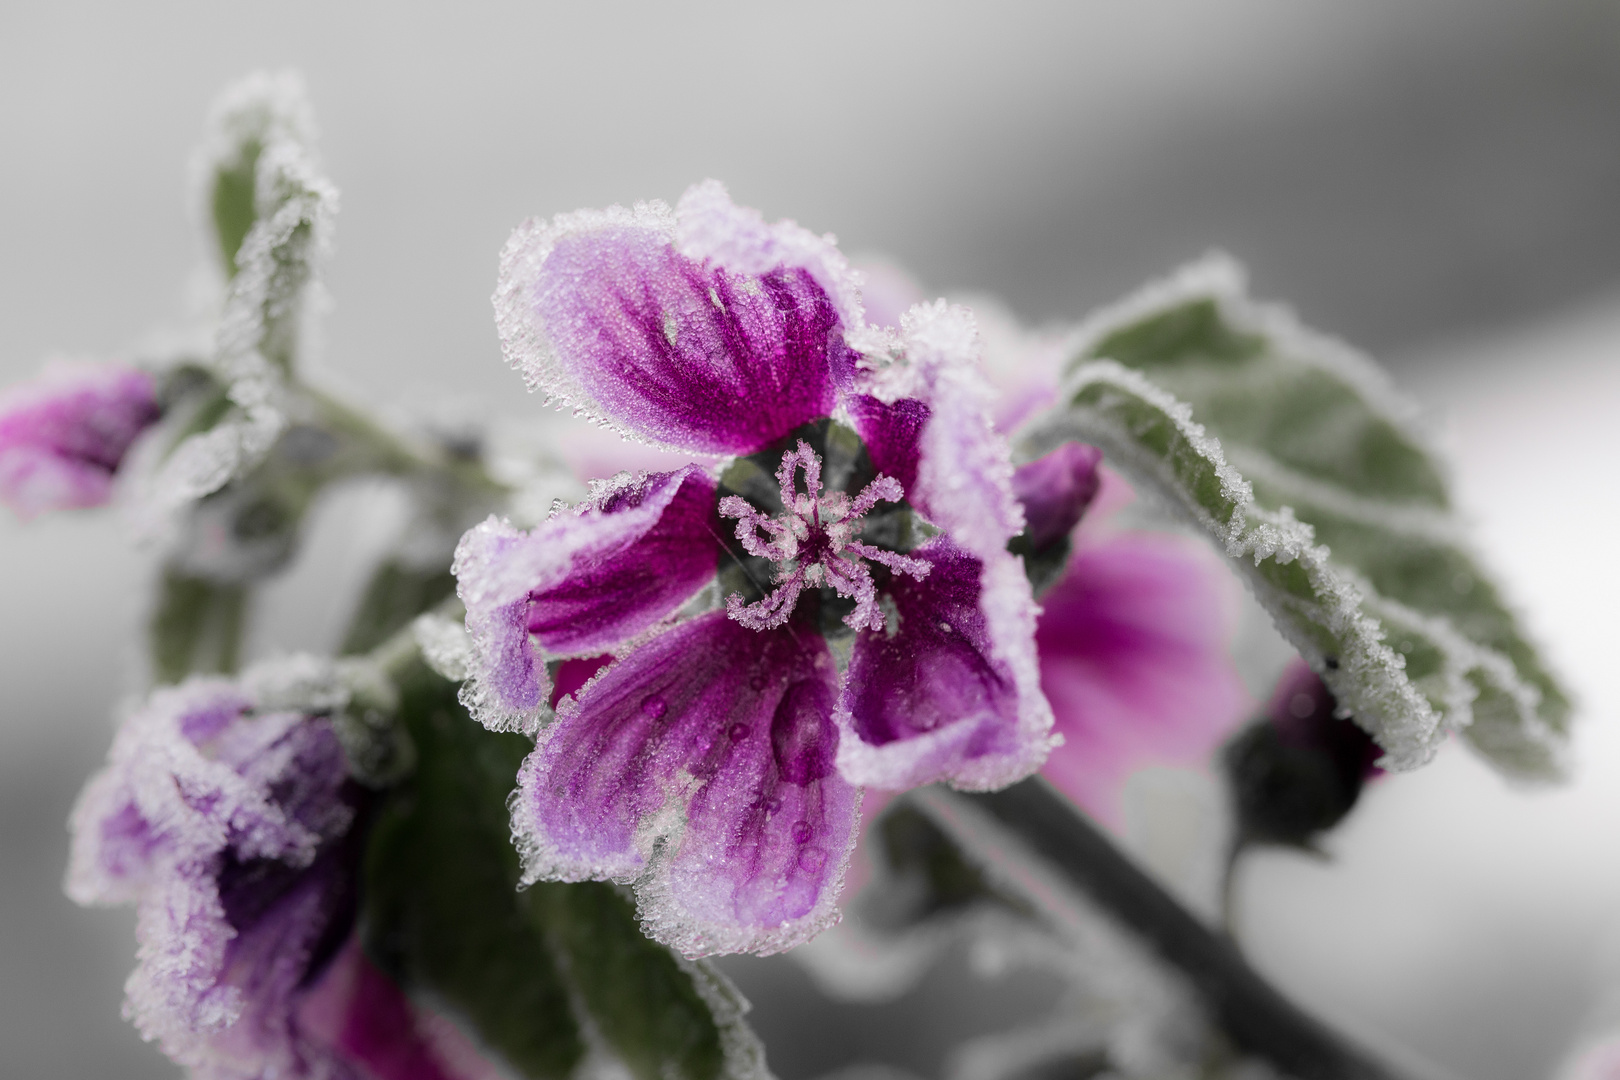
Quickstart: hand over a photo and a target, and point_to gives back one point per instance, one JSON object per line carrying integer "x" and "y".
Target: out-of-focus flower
{"x": 875, "y": 630}
{"x": 1133, "y": 639}
{"x": 1299, "y": 769}
{"x": 233, "y": 828}
{"x": 64, "y": 435}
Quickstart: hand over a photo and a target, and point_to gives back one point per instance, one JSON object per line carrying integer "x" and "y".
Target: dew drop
{"x": 812, "y": 859}
{"x": 737, "y": 731}
{"x": 653, "y": 706}
{"x": 801, "y": 832}
{"x": 1301, "y": 706}
{"x": 759, "y": 682}
{"x": 773, "y": 804}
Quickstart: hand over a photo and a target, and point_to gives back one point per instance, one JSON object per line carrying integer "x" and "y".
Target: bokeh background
{"x": 1436, "y": 181}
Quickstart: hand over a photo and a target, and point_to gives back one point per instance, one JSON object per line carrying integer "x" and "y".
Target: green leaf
{"x": 232, "y": 202}
{"x": 549, "y": 978}
{"x": 1301, "y": 461}
{"x": 271, "y": 209}
{"x": 196, "y": 625}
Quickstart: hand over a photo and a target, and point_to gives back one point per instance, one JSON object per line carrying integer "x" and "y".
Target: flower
{"x": 874, "y": 629}
{"x": 1133, "y": 637}
{"x": 233, "y": 827}
{"x": 64, "y": 435}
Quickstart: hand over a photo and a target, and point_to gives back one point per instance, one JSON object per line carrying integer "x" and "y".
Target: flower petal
{"x": 932, "y": 700}
{"x": 964, "y": 470}
{"x": 700, "y": 767}
{"x": 891, "y": 432}
{"x": 579, "y": 584}
{"x": 1134, "y": 659}
{"x": 721, "y": 345}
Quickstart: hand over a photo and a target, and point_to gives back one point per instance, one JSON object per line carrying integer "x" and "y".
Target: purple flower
{"x": 229, "y": 826}
{"x": 831, "y": 605}
{"x": 63, "y": 436}
{"x": 1133, "y": 640}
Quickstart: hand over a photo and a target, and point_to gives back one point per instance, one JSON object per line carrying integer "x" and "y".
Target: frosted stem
{"x": 1249, "y": 1009}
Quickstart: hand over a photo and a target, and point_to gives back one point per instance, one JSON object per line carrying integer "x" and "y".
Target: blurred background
{"x": 1437, "y": 182}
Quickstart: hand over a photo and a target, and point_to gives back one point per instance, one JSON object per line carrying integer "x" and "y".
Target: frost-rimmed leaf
{"x": 1301, "y": 461}
{"x": 268, "y": 209}
{"x": 558, "y": 979}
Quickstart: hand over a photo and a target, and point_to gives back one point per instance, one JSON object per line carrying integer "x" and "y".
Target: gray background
{"x": 1438, "y": 182}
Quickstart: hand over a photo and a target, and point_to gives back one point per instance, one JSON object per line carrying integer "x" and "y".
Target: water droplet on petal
{"x": 812, "y": 859}
{"x": 759, "y": 682}
{"x": 801, "y": 832}
{"x": 738, "y": 731}
{"x": 653, "y": 706}
{"x": 1301, "y": 705}
{"x": 773, "y": 804}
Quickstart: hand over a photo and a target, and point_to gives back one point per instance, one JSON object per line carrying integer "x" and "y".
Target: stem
{"x": 1249, "y": 1009}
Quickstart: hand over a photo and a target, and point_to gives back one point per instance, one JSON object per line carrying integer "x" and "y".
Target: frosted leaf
{"x": 1299, "y": 459}
{"x": 271, "y": 210}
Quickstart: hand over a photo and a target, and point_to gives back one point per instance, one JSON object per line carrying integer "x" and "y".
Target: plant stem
{"x": 1253, "y": 1013}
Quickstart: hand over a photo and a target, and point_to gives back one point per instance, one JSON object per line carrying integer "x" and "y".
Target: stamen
{"x": 817, "y": 530}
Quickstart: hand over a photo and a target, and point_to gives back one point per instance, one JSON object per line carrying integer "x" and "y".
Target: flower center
{"x": 813, "y": 544}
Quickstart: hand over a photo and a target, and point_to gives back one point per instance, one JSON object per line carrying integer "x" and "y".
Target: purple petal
{"x": 721, "y": 349}
{"x": 580, "y": 583}
{"x": 1134, "y": 659}
{"x": 1055, "y": 491}
{"x": 701, "y": 767}
{"x": 930, "y": 698}
{"x": 359, "y": 1012}
{"x": 230, "y": 829}
{"x": 964, "y": 470}
{"x": 891, "y": 432}
{"x": 63, "y": 436}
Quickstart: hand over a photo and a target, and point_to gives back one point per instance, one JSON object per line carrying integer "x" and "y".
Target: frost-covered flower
{"x": 230, "y": 826}
{"x": 874, "y": 628}
{"x": 64, "y": 435}
{"x": 1133, "y": 639}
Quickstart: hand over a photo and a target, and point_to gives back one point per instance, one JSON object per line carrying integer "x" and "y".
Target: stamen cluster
{"x": 814, "y": 546}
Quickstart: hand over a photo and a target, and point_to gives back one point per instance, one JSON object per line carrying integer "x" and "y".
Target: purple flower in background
{"x": 1133, "y": 640}
{"x": 830, "y": 605}
{"x": 231, "y": 828}
{"x": 63, "y": 436}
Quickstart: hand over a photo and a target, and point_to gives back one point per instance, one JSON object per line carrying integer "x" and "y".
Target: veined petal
{"x": 701, "y": 768}
{"x": 930, "y": 697}
{"x": 719, "y": 344}
{"x": 711, "y": 228}
{"x": 580, "y": 583}
{"x": 1133, "y": 655}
